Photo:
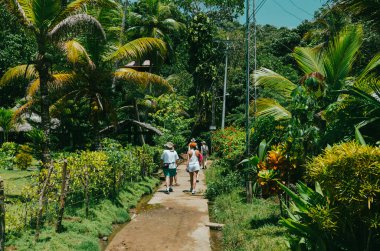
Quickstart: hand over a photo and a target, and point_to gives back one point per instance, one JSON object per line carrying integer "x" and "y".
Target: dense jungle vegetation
{"x": 90, "y": 90}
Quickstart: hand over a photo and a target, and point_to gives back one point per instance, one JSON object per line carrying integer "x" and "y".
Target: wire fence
{"x": 81, "y": 196}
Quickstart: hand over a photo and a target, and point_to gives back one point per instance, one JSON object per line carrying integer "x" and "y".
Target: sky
{"x": 289, "y": 13}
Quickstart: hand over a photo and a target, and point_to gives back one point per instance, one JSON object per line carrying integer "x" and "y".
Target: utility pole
{"x": 213, "y": 126}
{"x": 225, "y": 84}
{"x": 254, "y": 58}
{"x": 247, "y": 128}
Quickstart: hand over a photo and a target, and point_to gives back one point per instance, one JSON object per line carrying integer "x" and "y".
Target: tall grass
{"x": 249, "y": 226}
{"x": 83, "y": 234}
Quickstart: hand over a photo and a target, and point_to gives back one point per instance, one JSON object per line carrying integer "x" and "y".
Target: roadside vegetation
{"x": 90, "y": 90}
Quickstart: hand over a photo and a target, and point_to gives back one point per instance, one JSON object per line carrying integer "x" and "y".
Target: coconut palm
{"x": 94, "y": 66}
{"x": 153, "y": 18}
{"x": 49, "y": 22}
{"x": 326, "y": 71}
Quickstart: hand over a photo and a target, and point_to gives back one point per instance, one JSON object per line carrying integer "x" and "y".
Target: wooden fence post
{"x": 62, "y": 199}
{"x": 42, "y": 200}
{"x": 87, "y": 197}
{"x": 2, "y": 216}
{"x": 249, "y": 191}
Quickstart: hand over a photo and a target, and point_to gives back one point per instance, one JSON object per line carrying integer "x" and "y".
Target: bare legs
{"x": 204, "y": 162}
{"x": 169, "y": 182}
{"x": 193, "y": 181}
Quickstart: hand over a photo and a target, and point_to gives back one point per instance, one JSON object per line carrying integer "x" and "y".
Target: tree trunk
{"x": 42, "y": 66}
{"x": 41, "y": 201}
{"x": 62, "y": 199}
{"x": 138, "y": 127}
{"x": 2, "y": 216}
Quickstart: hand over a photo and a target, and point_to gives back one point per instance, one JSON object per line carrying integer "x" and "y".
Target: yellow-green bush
{"x": 24, "y": 157}
{"x": 348, "y": 172}
{"x": 349, "y": 175}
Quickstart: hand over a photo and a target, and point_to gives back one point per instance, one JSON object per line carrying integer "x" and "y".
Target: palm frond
{"x": 180, "y": 78}
{"x": 309, "y": 59}
{"x": 341, "y": 54}
{"x": 33, "y": 88}
{"x": 22, "y": 9}
{"x": 137, "y": 49}
{"x": 44, "y": 12}
{"x": 275, "y": 82}
{"x": 372, "y": 99}
{"x": 21, "y": 71}
{"x": 142, "y": 79}
{"x": 77, "y": 6}
{"x": 375, "y": 62}
{"x": 266, "y": 107}
{"x": 157, "y": 33}
{"x": 60, "y": 79}
{"x": 72, "y": 25}
{"x": 172, "y": 25}
{"x": 77, "y": 54}
{"x": 57, "y": 81}
{"x": 22, "y": 109}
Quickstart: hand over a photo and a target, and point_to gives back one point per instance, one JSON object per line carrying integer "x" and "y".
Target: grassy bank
{"x": 81, "y": 233}
{"x": 16, "y": 180}
{"x": 247, "y": 226}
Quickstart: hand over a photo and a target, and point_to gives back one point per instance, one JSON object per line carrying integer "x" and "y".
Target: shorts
{"x": 171, "y": 172}
{"x": 193, "y": 168}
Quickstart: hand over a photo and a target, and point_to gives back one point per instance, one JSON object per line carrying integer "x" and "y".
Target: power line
{"x": 257, "y": 9}
{"x": 301, "y": 9}
{"x": 285, "y": 10}
{"x": 261, "y": 4}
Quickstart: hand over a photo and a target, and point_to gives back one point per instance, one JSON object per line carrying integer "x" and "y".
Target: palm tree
{"x": 153, "y": 18}
{"x": 6, "y": 122}
{"x": 50, "y": 22}
{"x": 326, "y": 71}
{"x": 368, "y": 92}
{"x": 94, "y": 66}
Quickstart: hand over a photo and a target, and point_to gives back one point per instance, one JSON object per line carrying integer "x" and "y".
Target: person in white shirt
{"x": 169, "y": 161}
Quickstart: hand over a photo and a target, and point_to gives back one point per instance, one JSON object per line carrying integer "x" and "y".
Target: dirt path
{"x": 176, "y": 222}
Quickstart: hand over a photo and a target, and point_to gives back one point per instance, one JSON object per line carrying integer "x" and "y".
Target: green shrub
{"x": 9, "y": 148}
{"x": 220, "y": 180}
{"x": 349, "y": 174}
{"x": 229, "y": 144}
{"x": 24, "y": 157}
{"x": 6, "y": 161}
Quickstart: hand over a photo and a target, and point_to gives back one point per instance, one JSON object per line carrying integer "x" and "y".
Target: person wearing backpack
{"x": 169, "y": 159}
{"x": 193, "y": 165}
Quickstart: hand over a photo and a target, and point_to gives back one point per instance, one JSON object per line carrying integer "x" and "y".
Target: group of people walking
{"x": 195, "y": 160}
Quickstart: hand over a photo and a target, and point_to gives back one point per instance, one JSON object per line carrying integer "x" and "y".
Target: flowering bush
{"x": 229, "y": 144}
{"x": 275, "y": 167}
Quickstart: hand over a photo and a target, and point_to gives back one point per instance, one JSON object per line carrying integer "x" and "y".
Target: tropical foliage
{"x": 96, "y": 87}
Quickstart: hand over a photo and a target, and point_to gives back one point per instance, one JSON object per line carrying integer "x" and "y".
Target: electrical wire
{"x": 285, "y": 10}
{"x": 301, "y": 9}
{"x": 259, "y": 6}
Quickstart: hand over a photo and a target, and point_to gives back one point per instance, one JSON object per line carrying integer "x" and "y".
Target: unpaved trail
{"x": 176, "y": 221}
